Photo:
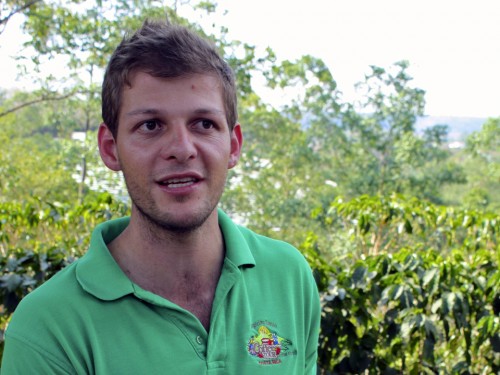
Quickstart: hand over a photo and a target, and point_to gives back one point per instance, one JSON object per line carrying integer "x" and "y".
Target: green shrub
{"x": 420, "y": 293}
{"x": 412, "y": 312}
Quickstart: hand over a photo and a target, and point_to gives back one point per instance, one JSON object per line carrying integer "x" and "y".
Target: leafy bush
{"x": 421, "y": 293}
{"x": 37, "y": 225}
{"x": 379, "y": 224}
{"x": 412, "y": 312}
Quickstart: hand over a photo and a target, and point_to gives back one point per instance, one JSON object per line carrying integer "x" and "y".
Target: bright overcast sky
{"x": 453, "y": 46}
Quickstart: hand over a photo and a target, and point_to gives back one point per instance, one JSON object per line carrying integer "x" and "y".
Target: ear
{"x": 107, "y": 148}
{"x": 236, "y": 143}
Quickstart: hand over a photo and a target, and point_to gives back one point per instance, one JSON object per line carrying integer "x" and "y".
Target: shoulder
{"x": 244, "y": 246}
{"x": 46, "y": 301}
{"x": 64, "y": 294}
{"x": 42, "y": 317}
{"x": 285, "y": 270}
{"x": 278, "y": 258}
{"x": 269, "y": 247}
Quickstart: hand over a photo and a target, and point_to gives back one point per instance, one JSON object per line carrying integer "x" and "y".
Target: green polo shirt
{"x": 91, "y": 318}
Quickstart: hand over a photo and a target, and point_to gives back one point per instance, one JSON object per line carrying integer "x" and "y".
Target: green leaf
{"x": 359, "y": 276}
{"x": 406, "y": 328}
{"x": 431, "y": 330}
{"x": 460, "y": 368}
{"x": 429, "y": 275}
{"x": 406, "y": 298}
{"x": 396, "y": 292}
{"x": 436, "y": 305}
{"x": 495, "y": 342}
{"x": 11, "y": 281}
{"x": 428, "y": 349}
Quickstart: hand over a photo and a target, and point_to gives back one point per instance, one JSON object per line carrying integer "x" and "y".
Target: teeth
{"x": 179, "y": 182}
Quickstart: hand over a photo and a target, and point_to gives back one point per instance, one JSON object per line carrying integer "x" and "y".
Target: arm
{"x": 314, "y": 328}
{"x": 19, "y": 357}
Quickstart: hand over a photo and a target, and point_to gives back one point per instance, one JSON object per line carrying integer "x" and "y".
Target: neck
{"x": 160, "y": 260}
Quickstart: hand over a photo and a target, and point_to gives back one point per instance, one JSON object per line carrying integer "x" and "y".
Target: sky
{"x": 453, "y": 46}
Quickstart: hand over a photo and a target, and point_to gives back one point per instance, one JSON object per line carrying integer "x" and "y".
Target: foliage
{"x": 9, "y": 8}
{"x": 379, "y": 224}
{"x": 413, "y": 312}
{"x": 419, "y": 295}
{"x": 33, "y": 162}
{"x": 37, "y": 225}
{"x": 316, "y": 148}
{"x": 295, "y": 158}
{"x": 371, "y": 147}
{"x": 481, "y": 160}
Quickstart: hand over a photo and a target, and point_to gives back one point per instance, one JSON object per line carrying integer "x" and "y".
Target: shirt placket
{"x": 217, "y": 341}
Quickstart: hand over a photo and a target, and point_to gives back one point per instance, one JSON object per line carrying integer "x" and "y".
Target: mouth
{"x": 176, "y": 183}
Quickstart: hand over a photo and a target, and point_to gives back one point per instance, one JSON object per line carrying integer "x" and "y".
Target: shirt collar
{"x": 97, "y": 271}
{"x": 237, "y": 248}
{"x": 99, "y": 274}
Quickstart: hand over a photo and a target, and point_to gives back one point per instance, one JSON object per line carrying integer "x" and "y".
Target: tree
{"x": 34, "y": 161}
{"x": 10, "y": 8}
{"x": 483, "y": 166}
{"x": 277, "y": 184}
{"x": 372, "y": 146}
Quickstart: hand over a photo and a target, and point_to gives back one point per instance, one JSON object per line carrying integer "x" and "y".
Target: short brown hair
{"x": 164, "y": 50}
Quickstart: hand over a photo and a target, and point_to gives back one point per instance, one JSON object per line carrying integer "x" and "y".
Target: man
{"x": 177, "y": 288}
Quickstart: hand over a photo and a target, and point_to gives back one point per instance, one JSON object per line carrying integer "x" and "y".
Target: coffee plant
{"x": 421, "y": 293}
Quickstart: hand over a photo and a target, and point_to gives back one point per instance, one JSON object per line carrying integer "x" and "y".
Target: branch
{"x": 3, "y": 21}
{"x": 35, "y": 101}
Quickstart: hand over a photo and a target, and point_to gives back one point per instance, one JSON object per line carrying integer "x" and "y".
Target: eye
{"x": 150, "y": 125}
{"x": 204, "y": 124}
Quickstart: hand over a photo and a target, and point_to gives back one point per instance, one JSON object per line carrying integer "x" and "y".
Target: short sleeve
{"x": 314, "y": 327}
{"x": 21, "y": 358}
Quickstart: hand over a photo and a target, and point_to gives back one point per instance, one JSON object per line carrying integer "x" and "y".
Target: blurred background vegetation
{"x": 400, "y": 230}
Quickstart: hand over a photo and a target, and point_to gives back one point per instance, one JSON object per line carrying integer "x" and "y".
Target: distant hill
{"x": 459, "y": 127}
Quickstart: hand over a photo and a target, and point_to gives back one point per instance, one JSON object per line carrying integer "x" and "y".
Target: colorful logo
{"x": 268, "y": 347}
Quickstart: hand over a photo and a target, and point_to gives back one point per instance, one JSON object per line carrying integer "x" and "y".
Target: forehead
{"x": 184, "y": 93}
{"x": 151, "y": 85}
{"x": 207, "y": 80}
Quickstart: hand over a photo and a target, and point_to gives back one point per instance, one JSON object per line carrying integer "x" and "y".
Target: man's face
{"x": 174, "y": 147}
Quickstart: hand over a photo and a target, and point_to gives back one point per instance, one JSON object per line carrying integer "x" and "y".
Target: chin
{"x": 180, "y": 226}
{"x": 175, "y": 222}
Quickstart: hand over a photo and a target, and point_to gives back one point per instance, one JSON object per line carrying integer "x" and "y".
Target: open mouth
{"x": 175, "y": 183}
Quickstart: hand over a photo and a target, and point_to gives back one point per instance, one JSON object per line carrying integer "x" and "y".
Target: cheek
{"x": 133, "y": 164}
{"x": 223, "y": 157}
{"x": 134, "y": 153}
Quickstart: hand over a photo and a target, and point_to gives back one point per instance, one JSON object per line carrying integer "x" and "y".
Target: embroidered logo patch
{"x": 267, "y": 346}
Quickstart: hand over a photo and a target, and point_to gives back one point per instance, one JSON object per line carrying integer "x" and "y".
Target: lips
{"x": 177, "y": 182}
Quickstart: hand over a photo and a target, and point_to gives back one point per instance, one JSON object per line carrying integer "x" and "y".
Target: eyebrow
{"x": 205, "y": 111}
{"x": 153, "y": 111}
{"x": 143, "y": 111}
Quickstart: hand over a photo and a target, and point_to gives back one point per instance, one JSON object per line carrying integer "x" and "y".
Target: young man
{"x": 177, "y": 288}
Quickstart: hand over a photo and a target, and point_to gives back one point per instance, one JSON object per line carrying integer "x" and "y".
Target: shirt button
{"x": 199, "y": 340}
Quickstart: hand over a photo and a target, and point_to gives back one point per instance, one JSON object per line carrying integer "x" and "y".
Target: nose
{"x": 179, "y": 144}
